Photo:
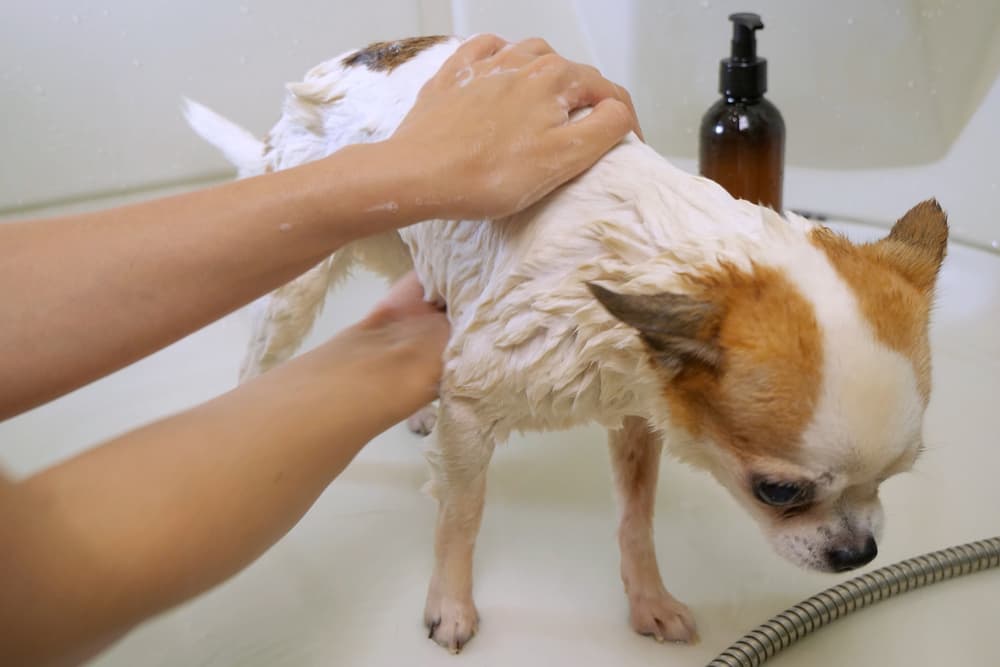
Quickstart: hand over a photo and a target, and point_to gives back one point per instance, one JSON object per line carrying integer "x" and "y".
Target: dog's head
{"x": 802, "y": 386}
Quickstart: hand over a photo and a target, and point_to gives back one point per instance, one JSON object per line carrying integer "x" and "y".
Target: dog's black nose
{"x": 842, "y": 560}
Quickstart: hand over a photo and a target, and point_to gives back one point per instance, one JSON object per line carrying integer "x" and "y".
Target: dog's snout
{"x": 842, "y": 560}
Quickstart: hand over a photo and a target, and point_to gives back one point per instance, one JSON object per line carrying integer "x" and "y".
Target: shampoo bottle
{"x": 742, "y": 136}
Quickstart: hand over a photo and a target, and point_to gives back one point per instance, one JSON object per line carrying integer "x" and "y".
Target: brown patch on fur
{"x": 387, "y": 56}
{"x": 269, "y": 165}
{"x": 894, "y": 279}
{"x": 761, "y": 397}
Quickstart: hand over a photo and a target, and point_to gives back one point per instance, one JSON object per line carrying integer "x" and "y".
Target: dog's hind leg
{"x": 459, "y": 483}
{"x": 285, "y": 316}
{"x": 635, "y": 459}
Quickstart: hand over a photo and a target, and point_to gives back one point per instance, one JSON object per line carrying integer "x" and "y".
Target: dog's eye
{"x": 779, "y": 494}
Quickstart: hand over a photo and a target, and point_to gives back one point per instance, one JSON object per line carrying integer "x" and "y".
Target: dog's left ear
{"x": 917, "y": 244}
{"x": 677, "y": 329}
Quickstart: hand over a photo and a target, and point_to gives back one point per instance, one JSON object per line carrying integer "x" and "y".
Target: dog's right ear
{"x": 677, "y": 329}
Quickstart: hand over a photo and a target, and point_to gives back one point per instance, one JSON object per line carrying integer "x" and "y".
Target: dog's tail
{"x": 241, "y": 148}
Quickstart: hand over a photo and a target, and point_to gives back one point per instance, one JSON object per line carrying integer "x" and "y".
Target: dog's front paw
{"x": 423, "y": 420}
{"x": 451, "y": 622}
{"x": 662, "y": 617}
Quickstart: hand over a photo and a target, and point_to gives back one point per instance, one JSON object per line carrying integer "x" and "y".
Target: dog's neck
{"x": 661, "y": 222}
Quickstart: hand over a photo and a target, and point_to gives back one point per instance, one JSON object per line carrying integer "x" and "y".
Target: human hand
{"x": 492, "y": 132}
{"x": 411, "y": 334}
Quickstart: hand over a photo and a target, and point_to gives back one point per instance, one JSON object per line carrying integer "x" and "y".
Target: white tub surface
{"x": 347, "y": 585}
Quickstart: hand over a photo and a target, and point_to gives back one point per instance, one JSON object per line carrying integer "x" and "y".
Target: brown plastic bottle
{"x": 742, "y": 136}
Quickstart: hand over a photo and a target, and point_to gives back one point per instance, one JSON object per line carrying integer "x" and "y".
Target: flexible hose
{"x": 791, "y": 625}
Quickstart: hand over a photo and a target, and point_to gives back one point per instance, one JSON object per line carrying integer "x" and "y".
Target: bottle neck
{"x": 734, "y": 99}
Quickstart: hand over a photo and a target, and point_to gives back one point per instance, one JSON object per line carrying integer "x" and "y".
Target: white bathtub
{"x": 346, "y": 586}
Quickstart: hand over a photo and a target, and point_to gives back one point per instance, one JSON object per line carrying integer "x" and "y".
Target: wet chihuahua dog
{"x": 789, "y": 363}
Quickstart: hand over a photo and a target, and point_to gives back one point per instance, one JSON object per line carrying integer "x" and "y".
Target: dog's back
{"x": 548, "y": 355}
{"x": 357, "y": 97}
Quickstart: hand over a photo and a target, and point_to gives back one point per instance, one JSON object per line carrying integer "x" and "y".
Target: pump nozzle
{"x": 744, "y": 44}
{"x": 743, "y": 75}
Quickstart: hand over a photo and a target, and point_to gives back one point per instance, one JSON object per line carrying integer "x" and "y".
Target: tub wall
{"x": 886, "y": 103}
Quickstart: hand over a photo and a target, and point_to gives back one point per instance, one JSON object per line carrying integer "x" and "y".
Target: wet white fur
{"x": 532, "y": 350}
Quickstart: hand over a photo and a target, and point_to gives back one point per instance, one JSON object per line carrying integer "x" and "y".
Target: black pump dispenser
{"x": 743, "y": 75}
{"x": 741, "y": 142}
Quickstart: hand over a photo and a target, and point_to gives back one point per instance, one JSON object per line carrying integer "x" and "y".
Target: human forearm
{"x": 86, "y": 295}
{"x": 163, "y": 513}
{"x": 489, "y": 134}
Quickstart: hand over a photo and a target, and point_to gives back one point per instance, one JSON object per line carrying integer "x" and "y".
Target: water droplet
{"x": 76, "y": 19}
{"x": 5, "y": 76}
{"x": 244, "y": 10}
{"x": 243, "y": 60}
{"x": 105, "y": 12}
{"x": 38, "y": 89}
{"x": 136, "y": 62}
{"x": 995, "y": 244}
{"x": 898, "y": 11}
{"x": 56, "y": 18}
{"x": 933, "y": 91}
{"x": 704, "y": 4}
{"x": 688, "y": 130}
{"x": 850, "y": 20}
{"x": 296, "y": 41}
{"x": 911, "y": 83}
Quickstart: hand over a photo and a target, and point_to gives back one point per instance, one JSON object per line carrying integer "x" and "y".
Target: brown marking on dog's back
{"x": 387, "y": 56}
{"x": 893, "y": 280}
{"x": 267, "y": 150}
{"x": 761, "y": 398}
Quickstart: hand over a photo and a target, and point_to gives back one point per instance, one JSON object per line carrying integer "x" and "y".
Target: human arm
{"x": 85, "y": 295}
{"x": 96, "y": 544}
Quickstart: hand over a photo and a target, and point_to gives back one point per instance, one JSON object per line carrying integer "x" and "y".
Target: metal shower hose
{"x": 794, "y": 623}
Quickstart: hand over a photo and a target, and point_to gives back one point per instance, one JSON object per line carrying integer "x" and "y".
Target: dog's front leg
{"x": 459, "y": 467}
{"x": 635, "y": 459}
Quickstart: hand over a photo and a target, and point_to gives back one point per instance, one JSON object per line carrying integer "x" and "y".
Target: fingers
{"x": 407, "y": 289}
{"x": 626, "y": 98}
{"x": 473, "y": 50}
{"x": 583, "y": 85}
{"x": 406, "y": 297}
{"x": 596, "y": 134}
{"x": 586, "y": 87}
{"x": 520, "y": 54}
{"x": 535, "y": 46}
